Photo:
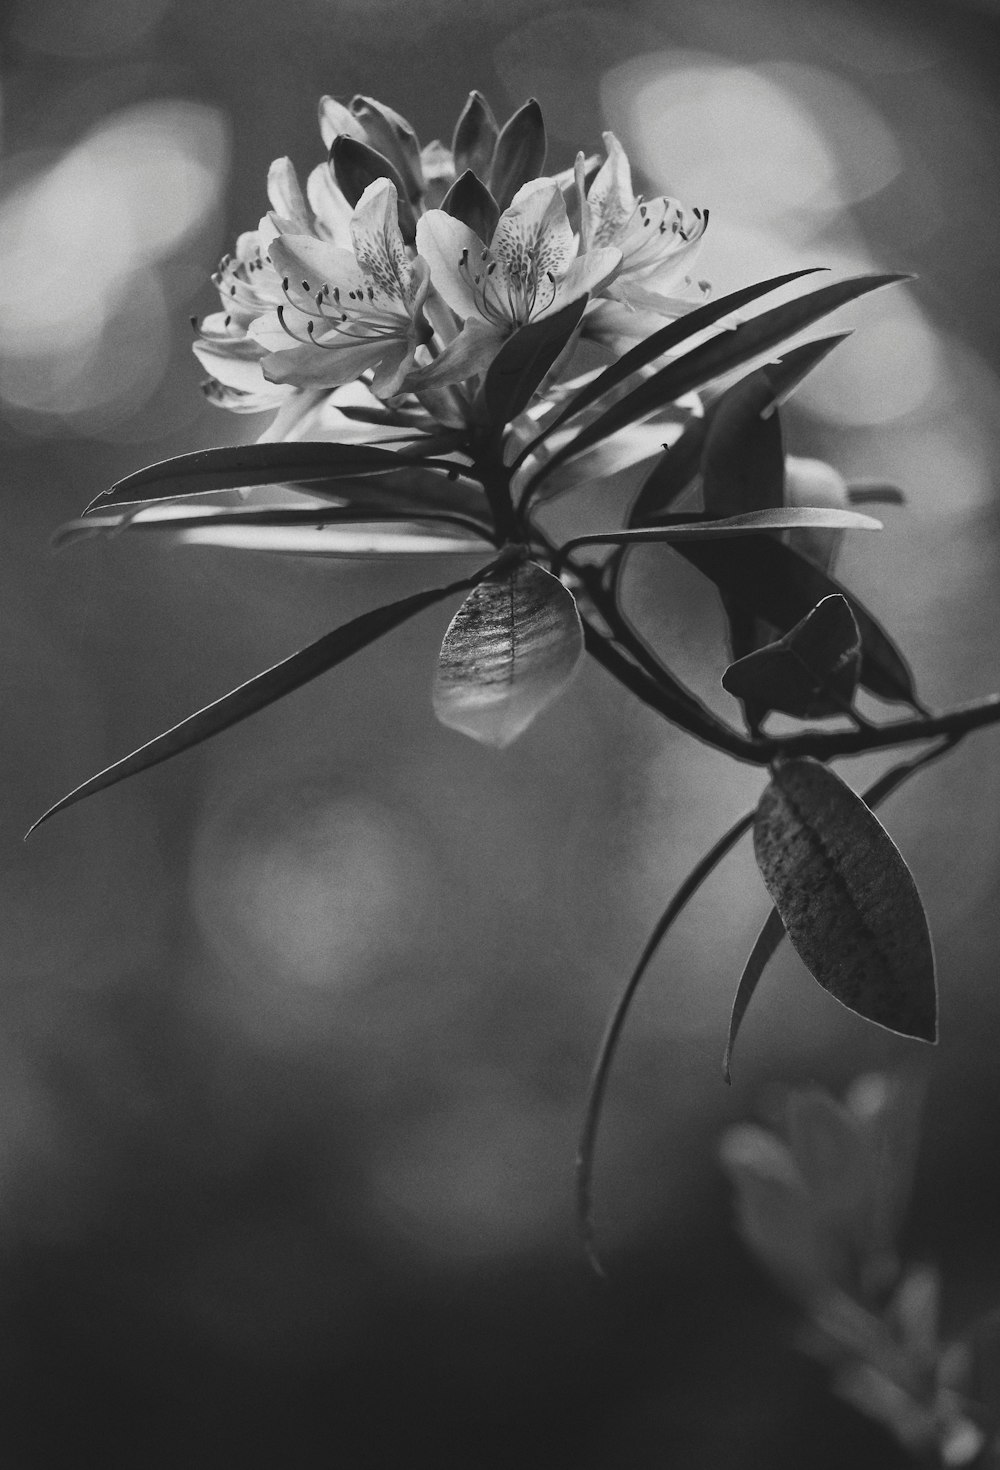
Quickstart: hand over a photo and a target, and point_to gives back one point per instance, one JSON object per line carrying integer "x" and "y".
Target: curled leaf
{"x": 811, "y": 672}
{"x": 511, "y": 648}
{"x": 846, "y": 898}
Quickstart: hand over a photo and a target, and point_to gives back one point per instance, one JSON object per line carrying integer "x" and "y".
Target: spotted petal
{"x": 511, "y": 649}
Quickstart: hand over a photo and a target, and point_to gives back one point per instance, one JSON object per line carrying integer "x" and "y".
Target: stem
{"x": 820, "y": 744}
{"x": 609, "y": 1042}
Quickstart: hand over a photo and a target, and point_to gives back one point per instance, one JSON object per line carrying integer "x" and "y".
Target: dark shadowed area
{"x": 295, "y": 1031}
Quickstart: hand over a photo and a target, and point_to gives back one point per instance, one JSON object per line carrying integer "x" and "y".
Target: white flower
{"x": 345, "y": 313}
{"x": 530, "y": 268}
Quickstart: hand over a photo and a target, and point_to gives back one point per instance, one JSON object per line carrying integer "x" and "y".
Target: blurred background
{"x": 295, "y": 1031}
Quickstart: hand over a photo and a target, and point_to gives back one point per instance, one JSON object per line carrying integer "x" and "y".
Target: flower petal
{"x": 330, "y": 206}
{"x": 534, "y": 234}
{"x": 442, "y": 240}
{"x": 378, "y": 243}
{"x": 511, "y": 648}
{"x": 588, "y": 273}
{"x": 286, "y": 197}
{"x": 469, "y": 355}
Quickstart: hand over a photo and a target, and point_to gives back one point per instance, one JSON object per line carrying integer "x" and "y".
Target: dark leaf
{"x": 811, "y": 672}
{"x": 846, "y": 898}
{"x": 475, "y": 137}
{"x": 520, "y": 152}
{"x": 264, "y": 689}
{"x": 683, "y": 460}
{"x": 743, "y": 460}
{"x": 766, "y": 943}
{"x": 773, "y": 932}
{"x": 393, "y": 137}
{"x": 524, "y": 359}
{"x": 720, "y": 355}
{"x": 671, "y": 475}
{"x": 470, "y": 201}
{"x": 246, "y": 465}
{"x": 355, "y": 166}
{"x": 510, "y": 649}
{"x": 665, "y": 340}
{"x": 776, "y": 583}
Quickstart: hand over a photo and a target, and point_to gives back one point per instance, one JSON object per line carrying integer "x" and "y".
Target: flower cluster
{"x": 409, "y": 267}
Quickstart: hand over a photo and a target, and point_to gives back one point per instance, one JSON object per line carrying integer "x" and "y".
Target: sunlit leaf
{"x": 264, "y": 689}
{"x": 779, "y": 585}
{"x": 275, "y": 527}
{"x": 809, "y": 673}
{"x": 355, "y": 539}
{"x": 846, "y": 898}
{"x": 519, "y": 155}
{"x": 783, "y": 518}
{"x": 246, "y": 465}
{"x": 511, "y": 648}
{"x": 719, "y": 355}
{"x": 665, "y": 340}
{"x": 522, "y": 362}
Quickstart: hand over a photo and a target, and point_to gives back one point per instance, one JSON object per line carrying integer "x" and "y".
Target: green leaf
{"x": 246, "y": 465}
{"x": 665, "y": 340}
{"x": 264, "y": 689}
{"x": 519, "y": 155}
{"x": 720, "y": 355}
{"x": 524, "y": 359}
{"x": 355, "y": 166}
{"x": 475, "y": 137}
{"x": 846, "y": 898}
{"x": 809, "y": 673}
{"x": 511, "y": 648}
{"x": 776, "y": 583}
{"x": 470, "y": 201}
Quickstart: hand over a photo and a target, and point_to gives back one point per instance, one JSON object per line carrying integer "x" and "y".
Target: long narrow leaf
{"x": 277, "y": 681}
{"x": 247, "y": 465}
{"x": 720, "y": 355}
{"x": 782, "y": 518}
{"x": 665, "y": 340}
{"x": 260, "y": 521}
